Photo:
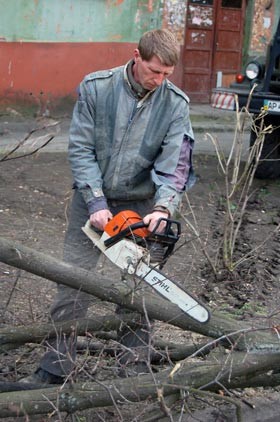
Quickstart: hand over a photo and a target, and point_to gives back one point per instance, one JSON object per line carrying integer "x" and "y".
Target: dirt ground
{"x": 35, "y": 192}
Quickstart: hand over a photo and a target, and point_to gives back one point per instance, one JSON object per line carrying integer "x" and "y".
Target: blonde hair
{"x": 161, "y": 43}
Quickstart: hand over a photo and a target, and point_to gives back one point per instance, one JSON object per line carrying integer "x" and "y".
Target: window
{"x": 235, "y": 4}
{"x": 202, "y": 2}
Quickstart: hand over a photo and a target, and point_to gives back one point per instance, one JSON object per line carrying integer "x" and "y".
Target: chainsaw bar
{"x": 129, "y": 256}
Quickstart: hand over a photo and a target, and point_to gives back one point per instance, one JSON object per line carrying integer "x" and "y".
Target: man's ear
{"x": 136, "y": 53}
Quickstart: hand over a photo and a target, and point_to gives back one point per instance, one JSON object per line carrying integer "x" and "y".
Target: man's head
{"x": 155, "y": 58}
{"x": 161, "y": 43}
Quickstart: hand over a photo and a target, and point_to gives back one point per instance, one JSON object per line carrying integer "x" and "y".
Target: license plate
{"x": 271, "y": 105}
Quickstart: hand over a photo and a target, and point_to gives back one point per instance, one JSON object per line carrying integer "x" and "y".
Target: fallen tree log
{"x": 174, "y": 351}
{"x": 220, "y": 327}
{"x": 161, "y": 352}
{"x": 191, "y": 374}
{"x": 13, "y": 337}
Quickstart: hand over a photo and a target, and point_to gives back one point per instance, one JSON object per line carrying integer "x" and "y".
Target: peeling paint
{"x": 137, "y": 17}
{"x": 198, "y": 38}
{"x": 174, "y": 17}
{"x": 150, "y": 6}
{"x": 201, "y": 16}
{"x": 114, "y": 2}
{"x": 262, "y": 26}
{"x": 117, "y": 37}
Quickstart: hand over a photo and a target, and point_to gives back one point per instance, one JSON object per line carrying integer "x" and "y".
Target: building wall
{"x": 77, "y": 20}
{"x": 46, "y": 47}
{"x": 263, "y": 23}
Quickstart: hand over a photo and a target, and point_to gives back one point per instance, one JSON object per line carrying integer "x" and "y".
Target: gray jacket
{"x": 124, "y": 148}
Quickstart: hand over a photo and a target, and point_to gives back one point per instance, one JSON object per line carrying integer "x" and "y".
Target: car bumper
{"x": 227, "y": 99}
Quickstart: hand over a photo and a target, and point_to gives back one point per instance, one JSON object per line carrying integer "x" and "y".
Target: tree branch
{"x": 227, "y": 372}
{"x": 220, "y": 327}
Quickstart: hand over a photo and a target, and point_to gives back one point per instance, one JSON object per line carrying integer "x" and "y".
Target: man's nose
{"x": 159, "y": 79}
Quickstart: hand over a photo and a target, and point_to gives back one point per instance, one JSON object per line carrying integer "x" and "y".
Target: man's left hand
{"x": 152, "y": 220}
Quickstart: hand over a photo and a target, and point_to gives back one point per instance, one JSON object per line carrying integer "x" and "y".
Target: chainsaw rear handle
{"x": 168, "y": 236}
{"x": 171, "y": 233}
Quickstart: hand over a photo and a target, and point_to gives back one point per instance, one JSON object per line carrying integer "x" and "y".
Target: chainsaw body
{"x": 125, "y": 243}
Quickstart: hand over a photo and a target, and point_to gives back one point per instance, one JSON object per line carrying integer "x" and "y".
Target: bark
{"x": 12, "y": 337}
{"x": 211, "y": 376}
{"x": 220, "y": 327}
{"x": 162, "y": 351}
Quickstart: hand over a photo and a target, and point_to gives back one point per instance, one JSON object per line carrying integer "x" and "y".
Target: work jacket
{"x": 125, "y": 148}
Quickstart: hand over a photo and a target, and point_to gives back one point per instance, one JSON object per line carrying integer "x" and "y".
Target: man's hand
{"x": 153, "y": 218}
{"x": 100, "y": 218}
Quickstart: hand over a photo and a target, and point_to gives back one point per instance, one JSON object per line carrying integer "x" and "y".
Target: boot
{"x": 42, "y": 377}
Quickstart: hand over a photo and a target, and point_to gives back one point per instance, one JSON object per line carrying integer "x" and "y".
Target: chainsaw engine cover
{"x": 123, "y": 220}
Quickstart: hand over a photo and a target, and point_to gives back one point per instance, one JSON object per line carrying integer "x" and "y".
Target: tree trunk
{"x": 189, "y": 375}
{"x": 220, "y": 327}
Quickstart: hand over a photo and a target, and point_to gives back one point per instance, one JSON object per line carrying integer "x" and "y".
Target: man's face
{"x": 150, "y": 74}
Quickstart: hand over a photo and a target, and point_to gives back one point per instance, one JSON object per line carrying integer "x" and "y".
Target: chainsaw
{"x": 128, "y": 243}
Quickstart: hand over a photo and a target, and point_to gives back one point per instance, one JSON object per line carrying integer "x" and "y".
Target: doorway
{"x": 213, "y": 46}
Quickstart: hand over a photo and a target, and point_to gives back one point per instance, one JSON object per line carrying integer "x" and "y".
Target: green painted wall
{"x": 78, "y": 20}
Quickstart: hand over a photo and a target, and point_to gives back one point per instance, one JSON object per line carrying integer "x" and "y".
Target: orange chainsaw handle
{"x": 123, "y": 233}
{"x": 168, "y": 237}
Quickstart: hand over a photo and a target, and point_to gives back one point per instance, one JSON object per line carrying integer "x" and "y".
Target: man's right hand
{"x": 100, "y": 218}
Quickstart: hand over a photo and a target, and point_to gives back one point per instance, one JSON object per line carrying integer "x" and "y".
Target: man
{"x": 130, "y": 148}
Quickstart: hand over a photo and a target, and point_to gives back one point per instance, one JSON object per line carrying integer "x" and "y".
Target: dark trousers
{"x": 70, "y": 304}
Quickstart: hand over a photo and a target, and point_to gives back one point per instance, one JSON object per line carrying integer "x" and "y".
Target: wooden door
{"x": 228, "y": 39}
{"x": 213, "y": 45}
{"x": 197, "y": 58}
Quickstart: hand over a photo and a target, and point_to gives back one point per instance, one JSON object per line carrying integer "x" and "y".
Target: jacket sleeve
{"x": 81, "y": 152}
{"x": 173, "y": 170}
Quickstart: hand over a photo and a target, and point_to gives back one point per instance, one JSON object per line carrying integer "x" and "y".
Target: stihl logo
{"x": 157, "y": 282}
